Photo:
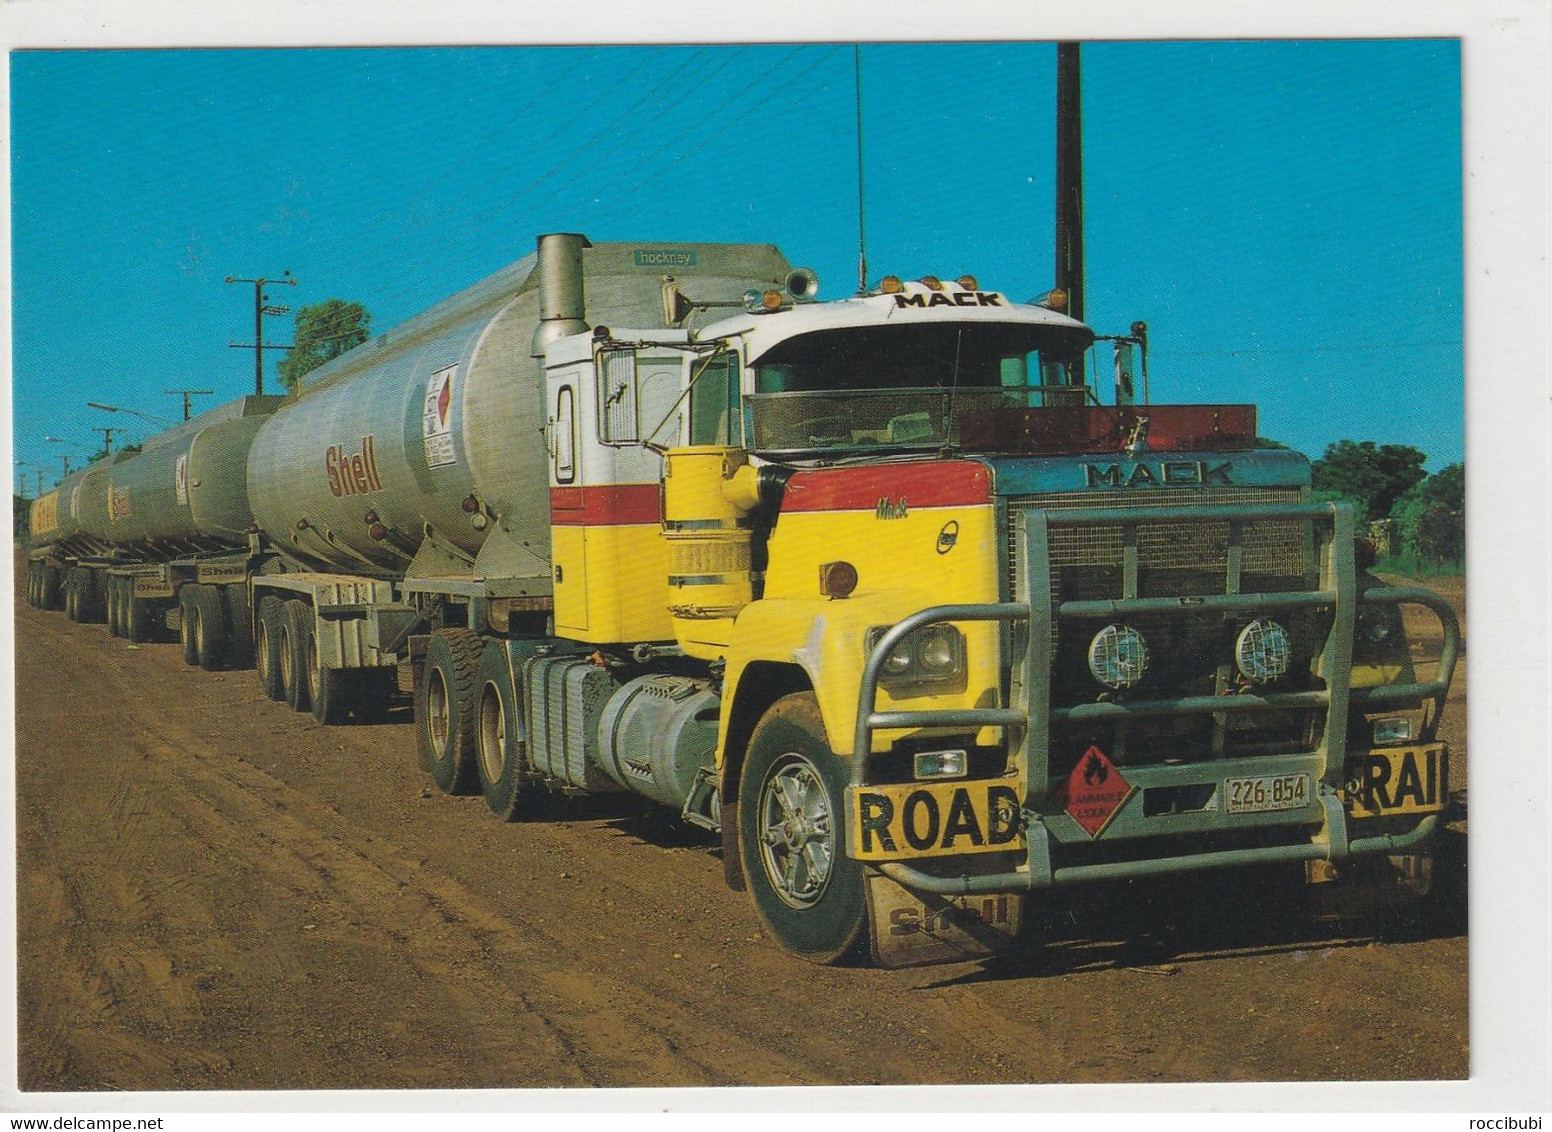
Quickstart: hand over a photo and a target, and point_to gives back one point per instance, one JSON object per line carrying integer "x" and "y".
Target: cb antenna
{"x": 862, "y": 239}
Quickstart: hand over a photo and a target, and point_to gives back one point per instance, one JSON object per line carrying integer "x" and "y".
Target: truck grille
{"x": 1188, "y": 656}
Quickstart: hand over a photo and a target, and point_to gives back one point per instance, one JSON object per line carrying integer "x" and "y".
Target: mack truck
{"x": 884, "y": 592}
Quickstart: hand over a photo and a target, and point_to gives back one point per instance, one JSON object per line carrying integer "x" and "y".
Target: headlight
{"x": 1118, "y": 657}
{"x": 1393, "y": 730}
{"x": 934, "y": 654}
{"x": 1263, "y": 651}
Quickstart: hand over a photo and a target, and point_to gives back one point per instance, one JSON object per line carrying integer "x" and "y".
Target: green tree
{"x": 21, "y": 517}
{"x": 1370, "y": 475}
{"x": 324, "y": 331}
{"x": 1431, "y": 517}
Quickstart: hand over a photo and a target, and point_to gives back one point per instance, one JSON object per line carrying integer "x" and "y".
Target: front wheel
{"x": 791, "y": 823}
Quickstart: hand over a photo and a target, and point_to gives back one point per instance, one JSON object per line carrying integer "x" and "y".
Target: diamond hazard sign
{"x": 1094, "y": 791}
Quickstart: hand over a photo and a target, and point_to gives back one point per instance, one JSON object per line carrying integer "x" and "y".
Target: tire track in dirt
{"x": 218, "y": 893}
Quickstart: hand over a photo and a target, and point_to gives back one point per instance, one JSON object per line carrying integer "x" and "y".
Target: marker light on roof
{"x": 891, "y": 285}
{"x": 969, "y": 282}
{"x": 1054, "y": 299}
{"x": 932, "y": 282}
{"x": 757, "y": 301}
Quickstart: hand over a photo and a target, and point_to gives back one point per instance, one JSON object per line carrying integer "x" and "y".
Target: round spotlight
{"x": 1262, "y": 651}
{"x": 837, "y": 579}
{"x": 1118, "y": 657}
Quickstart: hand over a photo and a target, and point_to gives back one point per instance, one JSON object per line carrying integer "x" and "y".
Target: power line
{"x": 1353, "y": 348}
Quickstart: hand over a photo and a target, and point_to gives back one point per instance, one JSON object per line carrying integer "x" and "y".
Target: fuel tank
{"x": 186, "y": 490}
{"x": 51, "y": 520}
{"x": 427, "y": 444}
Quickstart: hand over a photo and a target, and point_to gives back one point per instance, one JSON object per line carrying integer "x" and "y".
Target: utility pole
{"x": 107, "y": 438}
{"x": 259, "y": 311}
{"x": 188, "y": 393}
{"x": 1069, "y": 177}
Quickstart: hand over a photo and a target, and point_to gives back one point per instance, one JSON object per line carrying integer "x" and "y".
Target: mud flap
{"x": 912, "y": 929}
{"x": 1367, "y": 885}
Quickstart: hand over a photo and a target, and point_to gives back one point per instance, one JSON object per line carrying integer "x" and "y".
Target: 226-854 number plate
{"x": 1266, "y": 793}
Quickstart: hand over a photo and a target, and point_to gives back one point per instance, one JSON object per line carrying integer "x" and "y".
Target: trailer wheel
{"x": 296, "y": 630}
{"x": 267, "y": 647}
{"x": 72, "y": 595}
{"x": 446, "y": 706}
{"x": 96, "y": 606}
{"x": 239, "y": 625}
{"x": 188, "y": 621}
{"x": 498, "y": 734}
{"x": 32, "y": 584}
{"x": 120, "y": 608}
{"x": 137, "y": 615}
{"x": 326, "y": 687}
{"x": 48, "y": 593}
{"x": 113, "y": 606}
{"x": 791, "y": 824}
{"x": 210, "y": 628}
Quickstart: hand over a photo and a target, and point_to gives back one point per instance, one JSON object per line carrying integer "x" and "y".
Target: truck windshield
{"x": 900, "y": 386}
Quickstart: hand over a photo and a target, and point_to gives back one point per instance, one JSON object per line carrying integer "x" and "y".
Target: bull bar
{"x": 1030, "y": 682}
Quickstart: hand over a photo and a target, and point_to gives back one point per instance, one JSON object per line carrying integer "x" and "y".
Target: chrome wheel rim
{"x": 493, "y": 733}
{"x": 797, "y": 831}
{"x": 314, "y": 673}
{"x": 436, "y": 711}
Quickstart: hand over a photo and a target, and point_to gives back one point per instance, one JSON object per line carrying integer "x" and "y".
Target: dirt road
{"x": 216, "y": 893}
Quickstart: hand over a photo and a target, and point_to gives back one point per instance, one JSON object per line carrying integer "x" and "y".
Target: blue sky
{"x": 1286, "y": 216}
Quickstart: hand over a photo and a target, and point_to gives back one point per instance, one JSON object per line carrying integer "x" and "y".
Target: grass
{"x": 1411, "y": 566}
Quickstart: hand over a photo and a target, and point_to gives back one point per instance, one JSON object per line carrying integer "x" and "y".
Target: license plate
{"x": 1266, "y": 793}
{"x": 920, "y": 819}
{"x": 1398, "y": 780}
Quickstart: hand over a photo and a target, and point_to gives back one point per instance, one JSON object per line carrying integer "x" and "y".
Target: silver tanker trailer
{"x": 123, "y": 535}
{"x": 876, "y": 588}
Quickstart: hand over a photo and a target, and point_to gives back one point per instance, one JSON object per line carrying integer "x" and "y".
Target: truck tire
{"x": 48, "y": 592}
{"x": 187, "y": 616}
{"x": 446, "y": 706}
{"x": 137, "y": 615}
{"x": 120, "y": 607}
{"x": 239, "y": 625}
{"x": 498, "y": 734}
{"x": 296, "y": 630}
{"x": 327, "y": 688}
{"x": 96, "y": 607}
{"x": 210, "y": 627}
{"x": 266, "y": 649}
{"x": 32, "y": 584}
{"x": 791, "y": 830}
{"x": 72, "y": 594}
{"x": 113, "y": 606}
